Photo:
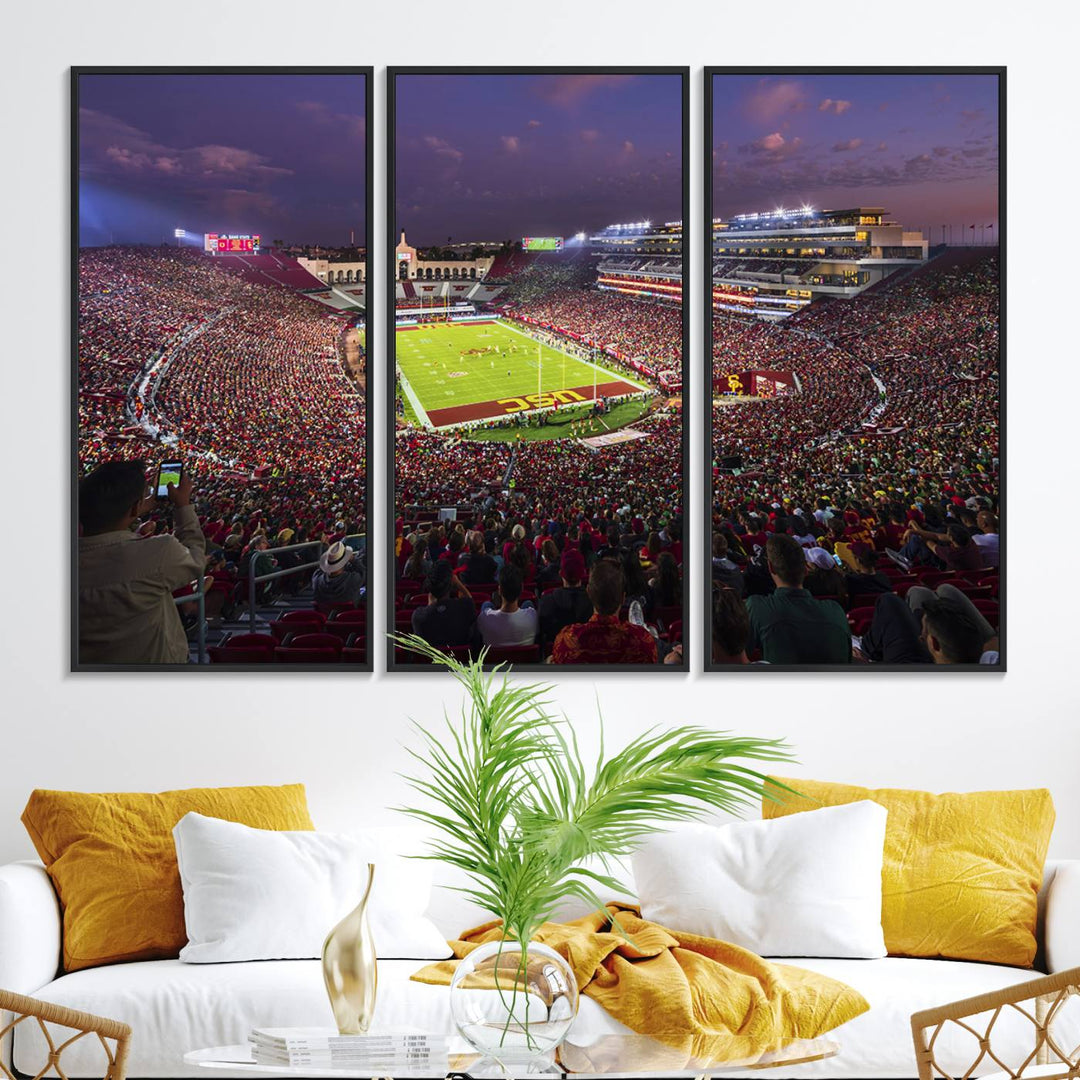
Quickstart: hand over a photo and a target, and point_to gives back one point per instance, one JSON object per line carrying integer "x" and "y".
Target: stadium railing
{"x": 255, "y": 580}
{"x": 198, "y": 595}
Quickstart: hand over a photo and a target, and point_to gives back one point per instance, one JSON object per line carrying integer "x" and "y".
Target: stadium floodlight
{"x": 579, "y": 237}
{"x": 178, "y": 233}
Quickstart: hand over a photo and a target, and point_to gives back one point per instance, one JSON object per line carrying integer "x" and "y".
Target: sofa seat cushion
{"x": 175, "y": 1007}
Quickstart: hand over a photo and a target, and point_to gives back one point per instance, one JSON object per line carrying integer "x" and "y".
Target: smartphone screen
{"x": 169, "y": 472}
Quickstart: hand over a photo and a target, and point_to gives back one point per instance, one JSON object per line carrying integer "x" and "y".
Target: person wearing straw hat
{"x": 339, "y": 579}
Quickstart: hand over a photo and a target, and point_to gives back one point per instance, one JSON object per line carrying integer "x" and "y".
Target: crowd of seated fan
{"x": 254, "y": 379}
{"x": 604, "y": 318}
{"x": 907, "y": 504}
{"x": 543, "y": 275}
{"x": 574, "y": 583}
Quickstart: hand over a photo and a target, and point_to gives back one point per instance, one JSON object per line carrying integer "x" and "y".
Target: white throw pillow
{"x": 804, "y": 885}
{"x": 258, "y": 894}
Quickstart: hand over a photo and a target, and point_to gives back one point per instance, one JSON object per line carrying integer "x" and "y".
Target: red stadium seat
{"x": 674, "y": 631}
{"x": 352, "y": 615}
{"x": 314, "y": 641}
{"x": 294, "y": 622}
{"x": 239, "y": 654}
{"x": 859, "y": 619}
{"x": 285, "y": 655}
{"x": 933, "y": 578}
{"x": 355, "y": 654}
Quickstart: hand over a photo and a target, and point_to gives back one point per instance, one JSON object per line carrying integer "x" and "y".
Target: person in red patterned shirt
{"x": 604, "y": 639}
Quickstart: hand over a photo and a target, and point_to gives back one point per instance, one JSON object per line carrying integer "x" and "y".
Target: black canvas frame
{"x": 391, "y": 360}
{"x": 368, "y": 74}
{"x": 706, "y": 369}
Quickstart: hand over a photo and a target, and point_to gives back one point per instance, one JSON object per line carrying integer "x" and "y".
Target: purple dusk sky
{"x": 925, "y": 147}
{"x": 279, "y": 155}
{"x": 496, "y": 157}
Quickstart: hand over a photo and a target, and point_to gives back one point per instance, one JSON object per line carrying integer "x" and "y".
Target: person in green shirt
{"x": 791, "y": 626}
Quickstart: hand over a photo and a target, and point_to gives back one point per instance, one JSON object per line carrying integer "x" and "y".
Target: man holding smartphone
{"x": 126, "y": 609}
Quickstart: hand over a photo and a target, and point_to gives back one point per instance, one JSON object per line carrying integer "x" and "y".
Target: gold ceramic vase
{"x": 349, "y": 968}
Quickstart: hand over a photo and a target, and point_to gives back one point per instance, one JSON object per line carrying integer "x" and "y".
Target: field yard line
{"x": 414, "y": 401}
{"x": 587, "y": 363}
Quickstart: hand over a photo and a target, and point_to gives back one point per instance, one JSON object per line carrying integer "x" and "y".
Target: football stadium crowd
{"x": 880, "y": 474}
{"x": 586, "y": 542}
{"x": 603, "y": 318}
{"x": 183, "y": 359}
{"x": 560, "y": 551}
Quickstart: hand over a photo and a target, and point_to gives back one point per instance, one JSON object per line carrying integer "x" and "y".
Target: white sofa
{"x": 175, "y": 1007}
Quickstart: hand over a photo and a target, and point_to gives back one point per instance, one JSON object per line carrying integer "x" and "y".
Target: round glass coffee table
{"x": 627, "y": 1056}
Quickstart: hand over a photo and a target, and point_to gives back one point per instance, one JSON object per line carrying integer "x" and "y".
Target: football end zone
{"x": 528, "y": 403}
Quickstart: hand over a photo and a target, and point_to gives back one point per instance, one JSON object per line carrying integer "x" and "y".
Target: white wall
{"x": 341, "y": 735}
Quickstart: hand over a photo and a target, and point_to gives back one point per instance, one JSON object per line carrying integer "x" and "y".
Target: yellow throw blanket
{"x": 704, "y": 998}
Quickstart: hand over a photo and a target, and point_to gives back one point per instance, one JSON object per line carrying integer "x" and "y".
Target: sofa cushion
{"x": 175, "y": 1007}
{"x": 112, "y": 860}
{"x": 804, "y": 885}
{"x": 961, "y": 872}
{"x": 272, "y": 894}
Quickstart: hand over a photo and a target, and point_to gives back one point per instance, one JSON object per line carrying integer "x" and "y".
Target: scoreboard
{"x": 231, "y": 243}
{"x": 541, "y": 243}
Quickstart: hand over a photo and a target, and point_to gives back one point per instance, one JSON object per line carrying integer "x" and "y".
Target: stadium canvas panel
{"x": 854, "y": 286}
{"x": 220, "y": 482}
{"x": 536, "y": 337}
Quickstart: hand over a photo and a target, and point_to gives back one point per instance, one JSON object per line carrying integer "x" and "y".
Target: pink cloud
{"x": 771, "y": 99}
{"x": 835, "y": 106}
{"x": 568, "y": 90}
{"x": 847, "y": 144}
{"x": 510, "y": 143}
{"x": 443, "y": 148}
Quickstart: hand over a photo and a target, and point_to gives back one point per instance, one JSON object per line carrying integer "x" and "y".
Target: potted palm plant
{"x": 513, "y": 804}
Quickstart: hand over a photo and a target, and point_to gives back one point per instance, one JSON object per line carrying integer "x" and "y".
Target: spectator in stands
{"x": 340, "y": 577}
{"x": 823, "y": 576}
{"x": 480, "y": 568}
{"x": 418, "y": 565}
{"x": 790, "y": 626}
{"x": 568, "y": 604}
{"x": 635, "y": 588}
{"x": 987, "y": 538}
{"x": 604, "y": 639}
{"x": 952, "y": 635}
{"x": 665, "y": 586}
{"x": 125, "y": 584}
{"x": 919, "y": 596}
{"x": 895, "y": 634}
{"x": 725, "y": 571}
{"x": 730, "y": 627}
{"x": 549, "y": 563}
{"x": 503, "y": 620}
{"x": 450, "y": 615}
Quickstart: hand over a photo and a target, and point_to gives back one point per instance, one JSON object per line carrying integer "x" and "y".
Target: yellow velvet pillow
{"x": 113, "y": 864}
{"x": 961, "y": 872}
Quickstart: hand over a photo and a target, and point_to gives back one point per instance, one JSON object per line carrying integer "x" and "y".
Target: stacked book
{"x": 323, "y": 1048}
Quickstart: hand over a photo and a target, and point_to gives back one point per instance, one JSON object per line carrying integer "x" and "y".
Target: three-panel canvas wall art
{"x": 532, "y": 370}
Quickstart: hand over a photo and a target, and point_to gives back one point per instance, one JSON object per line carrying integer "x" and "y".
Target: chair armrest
{"x": 29, "y": 928}
{"x": 1062, "y": 931}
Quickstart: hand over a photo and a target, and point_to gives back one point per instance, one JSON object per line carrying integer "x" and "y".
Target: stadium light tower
{"x": 179, "y": 235}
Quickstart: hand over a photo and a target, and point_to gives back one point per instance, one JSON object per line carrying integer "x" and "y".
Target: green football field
{"x": 456, "y": 373}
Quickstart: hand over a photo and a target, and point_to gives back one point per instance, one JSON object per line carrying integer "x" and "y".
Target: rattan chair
{"x": 83, "y": 1024}
{"x": 1040, "y": 1002}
